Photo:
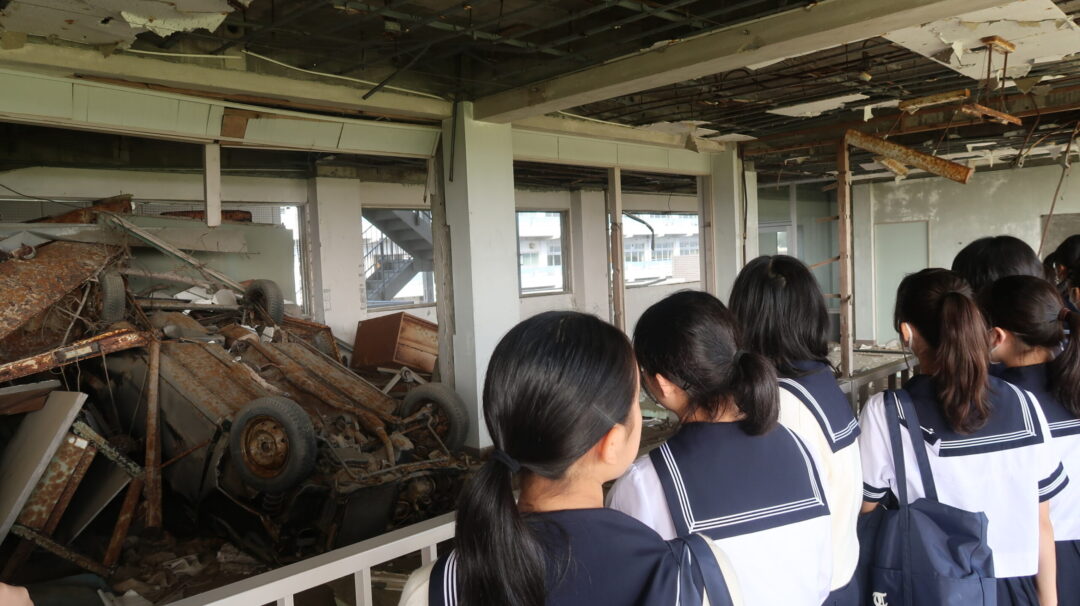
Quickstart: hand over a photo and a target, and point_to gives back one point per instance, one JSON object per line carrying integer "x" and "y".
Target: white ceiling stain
{"x": 1039, "y": 29}
{"x": 816, "y": 108}
{"x": 105, "y": 22}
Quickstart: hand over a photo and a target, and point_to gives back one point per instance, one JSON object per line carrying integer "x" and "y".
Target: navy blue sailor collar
{"x": 1036, "y": 379}
{"x": 817, "y": 389}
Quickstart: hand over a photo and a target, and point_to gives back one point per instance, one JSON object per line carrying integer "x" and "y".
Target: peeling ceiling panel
{"x": 104, "y": 22}
{"x": 1039, "y": 29}
{"x": 816, "y": 108}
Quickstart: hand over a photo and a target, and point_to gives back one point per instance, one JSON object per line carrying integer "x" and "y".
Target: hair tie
{"x": 1063, "y": 315}
{"x": 739, "y": 353}
{"x": 507, "y": 460}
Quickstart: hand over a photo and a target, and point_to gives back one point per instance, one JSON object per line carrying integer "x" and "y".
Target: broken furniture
{"x": 394, "y": 341}
{"x": 43, "y": 467}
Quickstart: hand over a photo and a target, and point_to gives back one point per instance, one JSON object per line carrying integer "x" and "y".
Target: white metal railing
{"x": 280, "y": 585}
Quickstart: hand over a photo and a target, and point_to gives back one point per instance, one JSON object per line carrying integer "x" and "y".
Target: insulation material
{"x": 1039, "y": 29}
{"x": 105, "y": 22}
{"x": 816, "y": 108}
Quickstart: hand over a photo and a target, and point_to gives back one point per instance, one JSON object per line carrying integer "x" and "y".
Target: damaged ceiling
{"x": 113, "y": 22}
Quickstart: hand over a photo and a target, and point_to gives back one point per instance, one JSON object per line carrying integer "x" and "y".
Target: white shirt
{"x": 1005, "y": 475}
{"x": 788, "y": 565}
{"x": 841, "y": 475}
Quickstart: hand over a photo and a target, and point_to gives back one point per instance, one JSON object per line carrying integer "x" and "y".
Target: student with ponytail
{"x": 783, "y": 317}
{"x": 986, "y": 440}
{"x": 561, "y": 406}
{"x": 731, "y": 472}
{"x": 1027, "y": 315}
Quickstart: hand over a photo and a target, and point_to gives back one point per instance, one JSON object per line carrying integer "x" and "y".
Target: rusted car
{"x": 288, "y": 451}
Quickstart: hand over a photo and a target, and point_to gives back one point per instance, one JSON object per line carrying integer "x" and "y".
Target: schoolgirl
{"x": 1026, "y": 315}
{"x": 987, "y": 441}
{"x": 561, "y": 405}
{"x": 782, "y": 316}
{"x": 986, "y": 260}
{"x": 731, "y": 471}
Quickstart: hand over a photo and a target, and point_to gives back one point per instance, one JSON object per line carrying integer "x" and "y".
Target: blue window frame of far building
{"x": 661, "y": 248}
{"x": 541, "y": 263}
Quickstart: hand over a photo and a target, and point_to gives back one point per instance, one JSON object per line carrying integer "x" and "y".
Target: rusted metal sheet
{"x": 105, "y": 343}
{"x": 210, "y": 383}
{"x": 62, "y": 468}
{"x": 317, "y": 335}
{"x": 115, "y": 204}
{"x": 31, "y": 286}
{"x": 106, "y": 448}
{"x": 908, "y": 156}
{"x": 991, "y": 114}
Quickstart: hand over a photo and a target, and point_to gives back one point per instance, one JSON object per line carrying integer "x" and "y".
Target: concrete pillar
{"x": 336, "y": 253}
{"x": 479, "y": 176}
{"x": 862, "y": 215}
{"x": 722, "y": 196}
{"x": 588, "y": 253}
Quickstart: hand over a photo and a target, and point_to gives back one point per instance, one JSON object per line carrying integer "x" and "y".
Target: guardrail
{"x": 356, "y": 560}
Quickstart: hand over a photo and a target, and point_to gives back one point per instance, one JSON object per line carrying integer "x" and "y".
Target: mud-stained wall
{"x": 998, "y": 202}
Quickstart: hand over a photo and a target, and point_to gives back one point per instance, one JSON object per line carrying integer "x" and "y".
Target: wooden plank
{"x": 30, "y": 451}
{"x": 617, "y": 287}
{"x": 843, "y": 203}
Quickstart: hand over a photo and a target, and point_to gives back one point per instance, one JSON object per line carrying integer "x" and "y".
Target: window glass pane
{"x": 399, "y": 258}
{"x": 660, "y": 248}
{"x": 540, "y": 255}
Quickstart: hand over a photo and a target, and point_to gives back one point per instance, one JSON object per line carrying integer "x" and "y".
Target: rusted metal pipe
{"x": 931, "y": 164}
{"x": 152, "y": 468}
{"x": 52, "y": 546}
{"x": 106, "y": 343}
{"x": 123, "y": 523}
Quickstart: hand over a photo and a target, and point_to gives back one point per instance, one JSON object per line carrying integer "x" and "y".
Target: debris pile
{"x": 167, "y": 444}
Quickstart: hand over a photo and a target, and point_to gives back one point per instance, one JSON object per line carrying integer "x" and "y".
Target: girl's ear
{"x": 610, "y": 449}
{"x": 906, "y": 334}
{"x": 667, "y": 388}
{"x": 998, "y": 336}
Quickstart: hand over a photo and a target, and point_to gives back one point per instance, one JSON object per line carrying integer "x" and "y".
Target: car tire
{"x": 445, "y": 400}
{"x": 272, "y": 444}
{"x": 264, "y": 297}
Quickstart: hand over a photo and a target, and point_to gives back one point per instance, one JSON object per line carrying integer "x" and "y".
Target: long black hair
{"x": 556, "y": 384}
{"x": 690, "y": 338}
{"x": 1067, "y": 253}
{"x": 986, "y": 260}
{"x": 1032, "y": 309}
{"x": 781, "y": 312}
{"x": 938, "y": 303}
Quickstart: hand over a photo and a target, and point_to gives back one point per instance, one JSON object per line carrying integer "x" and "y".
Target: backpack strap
{"x": 892, "y": 422}
{"x": 903, "y": 400}
{"x": 706, "y": 572}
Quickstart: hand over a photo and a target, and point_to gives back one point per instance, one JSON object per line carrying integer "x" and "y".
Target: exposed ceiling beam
{"x": 826, "y": 24}
{"x": 67, "y": 61}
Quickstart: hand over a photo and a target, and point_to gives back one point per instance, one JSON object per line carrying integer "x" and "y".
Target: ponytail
{"x": 938, "y": 303}
{"x": 691, "y": 339}
{"x": 1065, "y": 369}
{"x": 556, "y": 384}
{"x": 962, "y": 366}
{"x": 500, "y": 560}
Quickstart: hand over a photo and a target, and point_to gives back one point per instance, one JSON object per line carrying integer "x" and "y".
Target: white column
{"x": 862, "y": 215}
{"x": 752, "y": 249}
{"x": 588, "y": 253}
{"x": 721, "y": 195}
{"x": 212, "y": 183}
{"x": 336, "y": 250}
{"x": 479, "y": 172}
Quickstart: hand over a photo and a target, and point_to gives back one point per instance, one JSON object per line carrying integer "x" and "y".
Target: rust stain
{"x": 103, "y": 344}
{"x": 38, "y": 283}
{"x": 115, "y": 204}
{"x": 44, "y": 499}
{"x": 239, "y": 216}
{"x": 932, "y": 164}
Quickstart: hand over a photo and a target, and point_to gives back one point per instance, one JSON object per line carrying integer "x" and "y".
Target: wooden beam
{"x": 615, "y": 248}
{"x": 843, "y": 204}
{"x": 825, "y": 24}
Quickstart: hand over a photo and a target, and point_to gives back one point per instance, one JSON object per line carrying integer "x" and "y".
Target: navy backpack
{"x": 925, "y": 553}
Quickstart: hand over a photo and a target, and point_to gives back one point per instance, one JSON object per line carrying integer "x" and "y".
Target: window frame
{"x": 564, "y": 248}
{"x": 697, "y": 235}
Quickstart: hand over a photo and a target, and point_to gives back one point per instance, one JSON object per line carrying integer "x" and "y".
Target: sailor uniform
{"x": 1065, "y": 506}
{"x": 813, "y": 406}
{"x": 759, "y": 498}
{"x": 600, "y": 556}
{"x": 1004, "y": 469}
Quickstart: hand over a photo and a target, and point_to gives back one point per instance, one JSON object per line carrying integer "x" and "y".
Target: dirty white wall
{"x": 993, "y": 203}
